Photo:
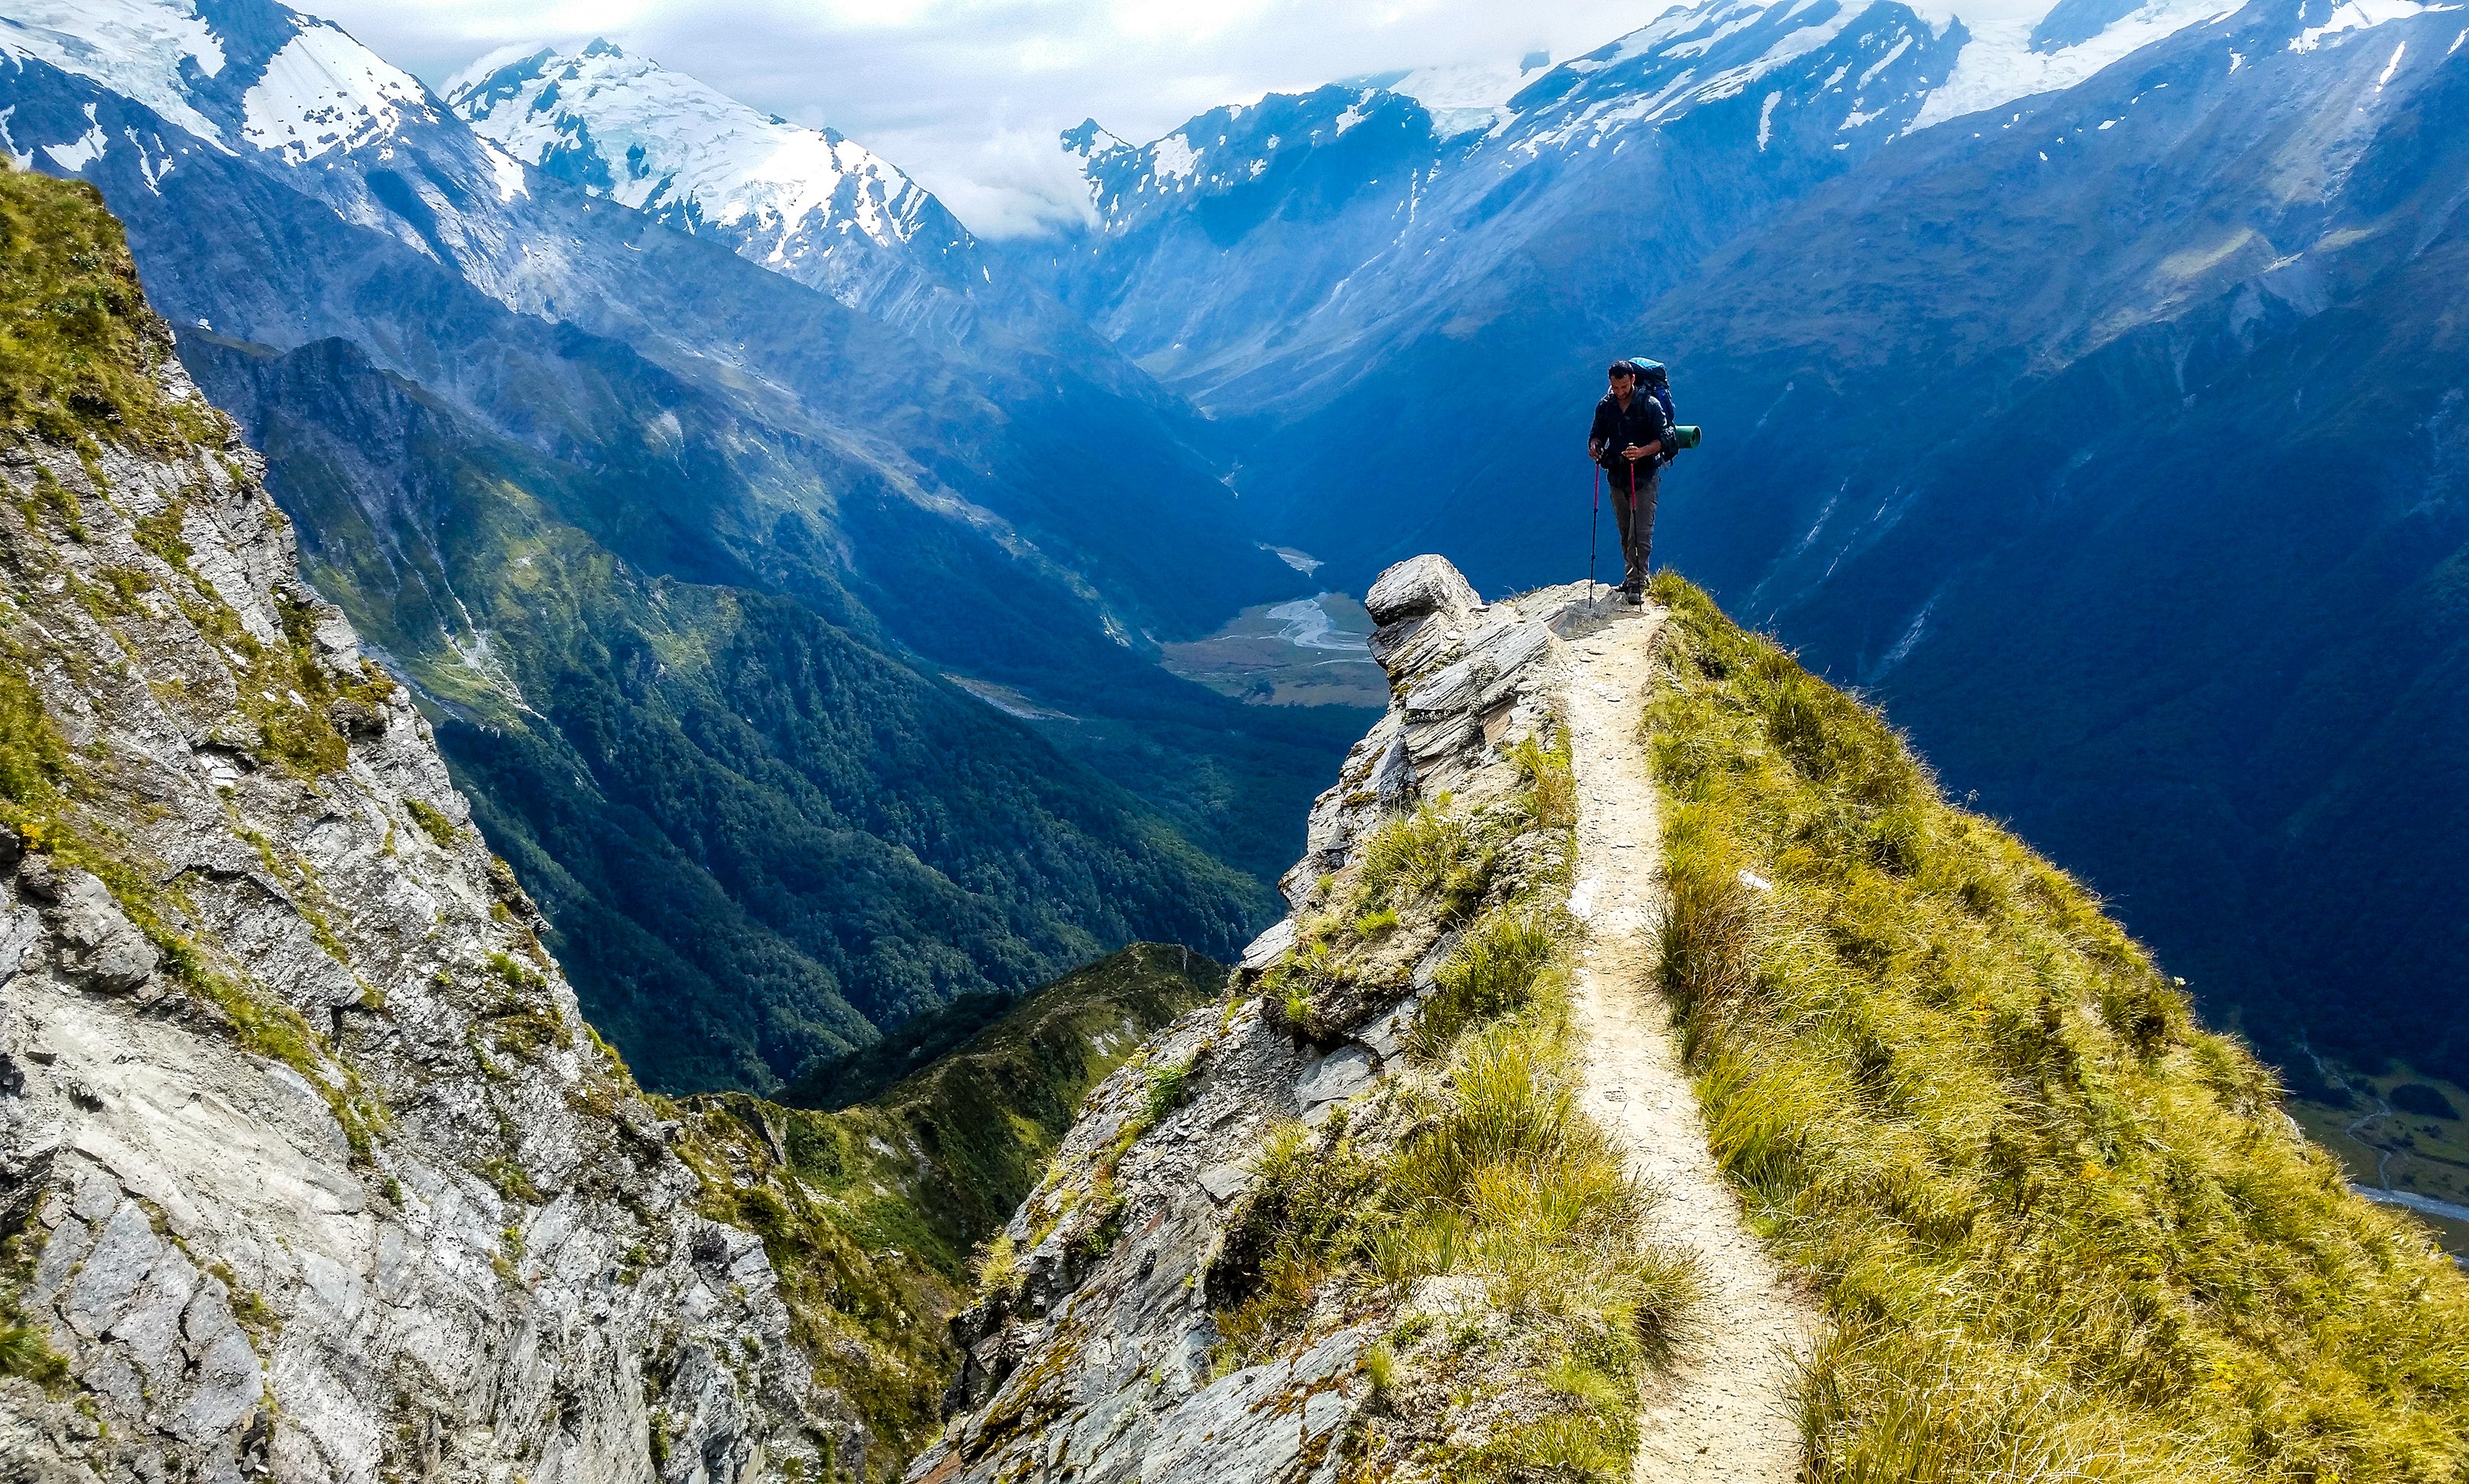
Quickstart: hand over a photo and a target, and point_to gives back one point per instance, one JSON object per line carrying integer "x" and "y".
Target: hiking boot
{"x": 1633, "y": 596}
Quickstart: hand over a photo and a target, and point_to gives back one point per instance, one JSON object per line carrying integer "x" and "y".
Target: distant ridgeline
{"x": 2018, "y": 357}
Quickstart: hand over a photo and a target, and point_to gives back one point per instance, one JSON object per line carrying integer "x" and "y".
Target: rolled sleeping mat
{"x": 1686, "y": 435}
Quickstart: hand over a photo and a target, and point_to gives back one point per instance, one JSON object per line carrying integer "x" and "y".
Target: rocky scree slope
{"x": 307, "y": 1165}
{"x": 1351, "y": 1220}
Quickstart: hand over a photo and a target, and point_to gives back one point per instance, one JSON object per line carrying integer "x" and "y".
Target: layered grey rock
{"x": 309, "y": 1168}
{"x": 1097, "y": 1364}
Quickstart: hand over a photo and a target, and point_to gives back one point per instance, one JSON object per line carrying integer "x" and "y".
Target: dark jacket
{"x": 1614, "y": 429}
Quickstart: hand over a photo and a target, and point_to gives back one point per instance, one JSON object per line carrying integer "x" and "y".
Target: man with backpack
{"x": 1633, "y": 441}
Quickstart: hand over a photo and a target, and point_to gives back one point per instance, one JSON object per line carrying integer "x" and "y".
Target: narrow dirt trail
{"x": 1724, "y": 1412}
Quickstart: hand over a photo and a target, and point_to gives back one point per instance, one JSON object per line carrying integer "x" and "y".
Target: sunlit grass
{"x": 1499, "y": 1182}
{"x": 2062, "y": 1231}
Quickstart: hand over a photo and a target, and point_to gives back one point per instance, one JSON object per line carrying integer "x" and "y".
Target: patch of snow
{"x": 672, "y": 146}
{"x": 1794, "y": 45}
{"x": 135, "y": 48}
{"x": 1699, "y": 46}
{"x": 1173, "y": 158}
{"x": 508, "y": 172}
{"x": 1766, "y": 120}
{"x": 1997, "y": 65}
{"x": 1352, "y": 116}
{"x": 325, "y": 92}
{"x": 154, "y": 170}
{"x": 1883, "y": 62}
{"x": 1465, "y": 98}
{"x": 75, "y": 155}
{"x": 2362, "y": 15}
{"x": 2390, "y": 67}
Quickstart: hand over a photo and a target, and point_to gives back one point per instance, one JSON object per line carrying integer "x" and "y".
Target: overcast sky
{"x": 968, "y": 94}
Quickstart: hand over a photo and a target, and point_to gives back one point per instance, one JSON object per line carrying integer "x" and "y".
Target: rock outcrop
{"x": 1097, "y": 1353}
{"x": 309, "y": 1168}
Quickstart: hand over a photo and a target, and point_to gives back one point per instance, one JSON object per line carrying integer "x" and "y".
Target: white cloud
{"x": 968, "y": 94}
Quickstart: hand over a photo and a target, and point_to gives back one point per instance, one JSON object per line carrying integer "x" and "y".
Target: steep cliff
{"x": 307, "y": 1165}
{"x": 1658, "y": 1079}
{"x": 1364, "y": 1217}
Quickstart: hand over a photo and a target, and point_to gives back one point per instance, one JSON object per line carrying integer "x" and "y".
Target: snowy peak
{"x": 1464, "y": 99}
{"x": 625, "y": 127}
{"x": 2014, "y": 58}
{"x": 240, "y": 73}
{"x": 1329, "y": 143}
{"x": 325, "y": 92}
{"x": 1845, "y": 73}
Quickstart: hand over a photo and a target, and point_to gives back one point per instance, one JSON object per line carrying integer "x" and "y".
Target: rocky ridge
{"x": 1113, "y": 1339}
{"x": 308, "y": 1165}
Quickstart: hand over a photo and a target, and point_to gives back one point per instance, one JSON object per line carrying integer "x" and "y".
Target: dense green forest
{"x": 759, "y": 831}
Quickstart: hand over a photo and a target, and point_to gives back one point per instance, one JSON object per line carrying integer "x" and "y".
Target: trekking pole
{"x": 1594, "y": 527}
{"x": 1632, "y": 525}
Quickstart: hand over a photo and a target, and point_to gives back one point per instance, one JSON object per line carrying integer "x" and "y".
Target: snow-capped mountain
{"x": 1463, "y": 98}
{"x": 2114, "y": 351}
{"x": 808, "y": 203}
{"x": 277, "y": 80}
{"x": 650, "y": 523}
{"x": 1266, "y": 259}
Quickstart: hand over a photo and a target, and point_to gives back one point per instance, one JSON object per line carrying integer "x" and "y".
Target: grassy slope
{"x": 78, "y": 345}
{"x": 1479, "y": 1164}
{"x": 870, "y": 1213}
{"x": 2062, "y": 1231}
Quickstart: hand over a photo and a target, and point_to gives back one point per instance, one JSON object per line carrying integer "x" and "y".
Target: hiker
{"x": 1633, "y": 441}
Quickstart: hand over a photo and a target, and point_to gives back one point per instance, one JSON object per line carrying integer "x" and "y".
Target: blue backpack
{"x": 1657, "y": 382}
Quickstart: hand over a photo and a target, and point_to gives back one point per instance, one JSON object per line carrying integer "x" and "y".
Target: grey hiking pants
{"x": 1636, "y": 524}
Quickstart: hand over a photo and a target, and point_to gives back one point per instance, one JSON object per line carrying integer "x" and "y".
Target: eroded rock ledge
{"x": 1095, "y": 1355}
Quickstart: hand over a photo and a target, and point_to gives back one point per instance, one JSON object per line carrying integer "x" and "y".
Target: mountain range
{"x": 2102, "y": 351}
{"x": 2109, "y": 354}
{"x": 684, "y": 553}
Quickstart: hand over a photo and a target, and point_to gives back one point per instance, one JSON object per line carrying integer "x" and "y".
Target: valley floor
{"x": 1723, "y": 1412}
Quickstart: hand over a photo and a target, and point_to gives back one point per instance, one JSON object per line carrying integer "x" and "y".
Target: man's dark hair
{"x": 1621, "y": 368}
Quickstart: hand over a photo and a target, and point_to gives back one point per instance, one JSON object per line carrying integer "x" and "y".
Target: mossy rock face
{"x": 261, "y": 1031}
{"x": 80, "y": 355}
{"x": 2062, "y": 1230}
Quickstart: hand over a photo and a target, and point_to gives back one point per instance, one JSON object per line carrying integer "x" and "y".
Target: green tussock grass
{"x": 1429, "y": 853}
{"x": 1498, "y": 1180}
{"x": 78, "y": 345}
{"x": 2062, "y": 1231}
